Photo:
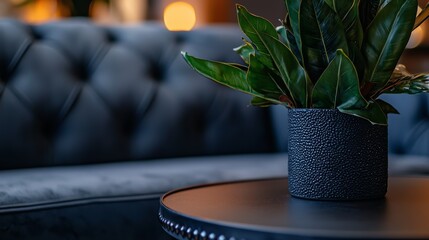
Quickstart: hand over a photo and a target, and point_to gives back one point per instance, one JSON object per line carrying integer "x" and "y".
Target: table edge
{"x": 186, "y": 227}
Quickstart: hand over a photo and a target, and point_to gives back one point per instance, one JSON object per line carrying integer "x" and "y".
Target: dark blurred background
{"x": 179, "y": 15}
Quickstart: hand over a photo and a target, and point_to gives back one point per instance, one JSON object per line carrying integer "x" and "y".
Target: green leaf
{"x": 423, "y": 16}
{"x": 322, "y": 33}
{"x": 292, "y": 73}
{"x": 264, "y": 81}
{"x": 253, "y": 26}
{"x": 386, "y": 39}
{"x": 260, "y": 102}
{"x": 358, "y": 61}
{"x": 225, "y": 74}
{"x": 245, "y": 51}
{"x": 373, "y": 113}
{"x": 348, "y": 11}
{"x": 386, "y": 107}
{"x": 419, "y": 84}
{"x": 404, "y": 82}
{"x": 222, "y": 73}
{"x": 289, "y": 40}
{"x": 368, "y": 10}
{"x": 349, "y": 14}
{"x": 383, "y": 3}
{"x": 242, "y": 67}
{"x": 338, "y": 87}
{"x": 282, "y": 31}
{"x": 293, "y": 9}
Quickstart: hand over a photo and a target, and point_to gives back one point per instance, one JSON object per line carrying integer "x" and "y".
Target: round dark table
{"x": 263, "y": 209}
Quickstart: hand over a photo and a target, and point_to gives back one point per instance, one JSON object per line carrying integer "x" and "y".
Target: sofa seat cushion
{"x": 30, "y": 189}
{"x": 111, "y": 201}
{"x": 39, "y": 188}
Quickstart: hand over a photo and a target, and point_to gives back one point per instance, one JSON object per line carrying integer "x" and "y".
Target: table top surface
{"x": 265, "y": 207}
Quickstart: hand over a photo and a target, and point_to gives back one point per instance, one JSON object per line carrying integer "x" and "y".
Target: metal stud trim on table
{"x": 187, "y": 233}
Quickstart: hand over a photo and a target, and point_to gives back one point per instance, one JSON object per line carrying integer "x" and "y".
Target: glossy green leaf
{"x": 338, "y": 87}
{"x": 386, "y": 107}
{"x": 290, "y": 41}
{"x": 242, "y": 67}
{"x": 423, "y": 16}
{"x": 386, "y": 39}
{"x": 253, "y": 26}
{"x": 404, "y": 82}
{"x": 282, "y": 31}
{"x": 348, "y": 11}
{"x": 260, "y": 102}
{"x": 373, "y": 113}
{"x": 263, "y": 81}
{"x": 224, "y": 74}
{"x": 293, "y": 9}
{"x": 349, "y": 14}
{"x": 322, "y": 33}
{"x": 383, "y": 3}
{"x": 359, "y": 62}
{"x": 266, "y": 60}
{"x": 419, "y": 84}
{"x": 245, "y": 51}
{"x": 368, "y": 10}
{"x": 292, "y": 73}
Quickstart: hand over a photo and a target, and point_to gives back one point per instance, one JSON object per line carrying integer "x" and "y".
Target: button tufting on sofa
{"x": 81, "y": 93}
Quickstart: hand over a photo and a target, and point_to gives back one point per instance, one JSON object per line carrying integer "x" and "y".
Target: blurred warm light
{"x": 41, "y": 11}
{"x": 131, "y": 11}
{"x": 416, "y": 38}
{"x": 100, "y": 12}
{"x": 180, "y": 16}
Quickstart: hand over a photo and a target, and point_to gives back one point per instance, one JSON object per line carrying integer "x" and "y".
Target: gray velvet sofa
{"x": 96, "y": 123}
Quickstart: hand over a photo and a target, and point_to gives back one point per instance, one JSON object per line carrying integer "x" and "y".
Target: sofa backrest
{"x": 72, "y": 92}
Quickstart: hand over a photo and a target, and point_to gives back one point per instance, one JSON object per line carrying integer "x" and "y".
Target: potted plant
{"x": 328, "y": 63}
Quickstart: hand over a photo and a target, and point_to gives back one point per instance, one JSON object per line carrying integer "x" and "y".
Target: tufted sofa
{"x": 96, "y": 123}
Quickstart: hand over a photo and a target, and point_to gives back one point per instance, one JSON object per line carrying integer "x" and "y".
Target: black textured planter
{"x": 335, "y": 156}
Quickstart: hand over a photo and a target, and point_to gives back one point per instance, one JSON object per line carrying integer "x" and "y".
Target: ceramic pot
{"x": 335, "y": 156}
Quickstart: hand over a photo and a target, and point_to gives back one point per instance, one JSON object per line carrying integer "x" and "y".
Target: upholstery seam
{"x": 17, "y": 57}
{"x": 24, "y": 101}
{"x": 43, "y": 205}
{"x": 100, "y": 54}
{"x": 106, "y": 103}
{"x": 147, "y": 101}
{"x": 69, "y": 103}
